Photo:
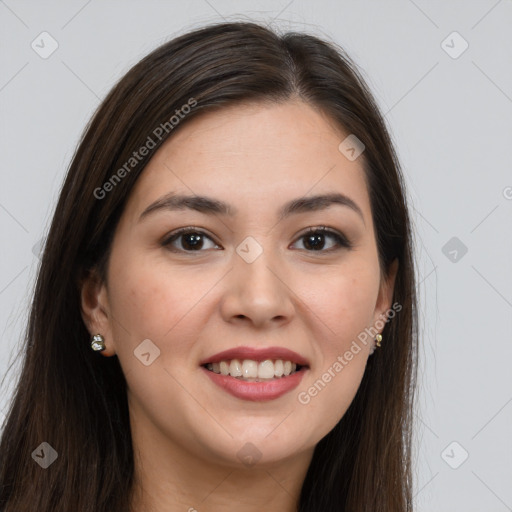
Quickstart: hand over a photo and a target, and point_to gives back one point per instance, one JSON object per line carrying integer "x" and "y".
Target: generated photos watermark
{"x": 137, "y": 156}
{"x": 304, "y": 397}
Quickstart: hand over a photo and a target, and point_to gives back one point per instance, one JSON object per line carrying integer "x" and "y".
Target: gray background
{"x": 450, "y": 119}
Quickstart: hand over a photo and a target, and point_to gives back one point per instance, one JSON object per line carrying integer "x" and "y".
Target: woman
{"x": 225, "y": 312}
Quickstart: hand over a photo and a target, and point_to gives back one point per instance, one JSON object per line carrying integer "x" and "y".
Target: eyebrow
{"x": 210, "y": 206}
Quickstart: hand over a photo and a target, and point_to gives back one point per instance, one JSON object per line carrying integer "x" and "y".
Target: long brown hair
{"x": 75, "y": 400}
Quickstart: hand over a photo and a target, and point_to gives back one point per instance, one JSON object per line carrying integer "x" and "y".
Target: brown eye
{"x": 315, "y": 240}
{"x": 189, "y": 240}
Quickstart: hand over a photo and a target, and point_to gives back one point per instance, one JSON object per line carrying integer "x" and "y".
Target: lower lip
{"x": 257, "y": 391}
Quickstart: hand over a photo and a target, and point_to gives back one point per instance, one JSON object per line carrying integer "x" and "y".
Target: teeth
{"x": 249, "y": 369}
{"x": 254, "y": 370}
{"x": 224, "y": 368}
{"x": 278, "y": 368}
{"x": 235, "y": 368}
{"x": 266, "y": 370}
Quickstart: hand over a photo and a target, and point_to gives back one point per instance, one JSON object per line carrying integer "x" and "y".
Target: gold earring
{"x": 98, "y": 343}
{"x": 378, "y": 338}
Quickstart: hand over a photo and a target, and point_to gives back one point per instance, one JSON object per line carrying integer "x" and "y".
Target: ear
{"x": 385, "y": 296}
{"x": 95, "y": 309}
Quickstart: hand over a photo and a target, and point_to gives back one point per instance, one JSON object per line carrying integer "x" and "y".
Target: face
{"x": 260, "y": 269}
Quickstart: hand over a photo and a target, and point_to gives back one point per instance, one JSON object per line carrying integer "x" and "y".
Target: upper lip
{"x": 257, "y": 354}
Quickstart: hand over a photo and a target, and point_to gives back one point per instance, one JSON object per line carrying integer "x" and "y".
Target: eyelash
{"x": 340, "y": 239}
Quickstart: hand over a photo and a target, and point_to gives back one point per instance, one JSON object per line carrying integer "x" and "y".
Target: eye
{"x": 192, "y": 240}
{"x": 314, "y": 239}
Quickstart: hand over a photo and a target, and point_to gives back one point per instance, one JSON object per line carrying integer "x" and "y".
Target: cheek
{"x": 343, "y": 307}
{"x": 152, "y": 300}
{"x": 345, "y": 302}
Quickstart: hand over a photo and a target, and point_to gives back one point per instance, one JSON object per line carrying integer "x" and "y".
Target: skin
{"x": 186, "y": 431}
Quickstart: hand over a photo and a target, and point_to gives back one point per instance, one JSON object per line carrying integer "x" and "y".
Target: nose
{"x": 257, "y": 294}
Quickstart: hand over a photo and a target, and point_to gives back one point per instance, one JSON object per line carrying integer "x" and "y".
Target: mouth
{"x": 256, "y": 374}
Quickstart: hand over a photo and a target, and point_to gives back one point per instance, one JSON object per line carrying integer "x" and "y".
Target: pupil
{"x": 314, "y": 241}
{"x": 193, "y": 240}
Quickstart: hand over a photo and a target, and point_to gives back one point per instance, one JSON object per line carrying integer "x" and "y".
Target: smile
{"x": 256, "y": 374}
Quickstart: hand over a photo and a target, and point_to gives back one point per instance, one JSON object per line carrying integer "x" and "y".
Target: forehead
{"x": 254, "y": 153}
